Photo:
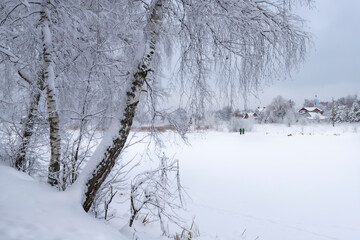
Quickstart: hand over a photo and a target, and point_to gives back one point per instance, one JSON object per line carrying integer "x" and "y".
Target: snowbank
{"x": 30, "y": 210}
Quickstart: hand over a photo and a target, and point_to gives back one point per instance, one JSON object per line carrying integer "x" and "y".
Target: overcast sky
{"x": 332, "y": 68}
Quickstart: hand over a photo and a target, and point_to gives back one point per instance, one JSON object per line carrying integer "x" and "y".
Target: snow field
{"x": 268, "y": 185}
{"x": 275, "y": 187}
{"x": 261, "y": 185}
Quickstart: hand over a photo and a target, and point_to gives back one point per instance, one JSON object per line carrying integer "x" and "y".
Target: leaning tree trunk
{"x": 20, "y": 161}
{"x": 49, "y": 78}
{"x": 107, "y": 162}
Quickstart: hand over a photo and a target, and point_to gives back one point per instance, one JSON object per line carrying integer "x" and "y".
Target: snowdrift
{"x": 30, "y": 210}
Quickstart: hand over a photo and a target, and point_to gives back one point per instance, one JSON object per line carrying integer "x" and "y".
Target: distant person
{"x": 240, "y": 131}
{"x": 243, "y": 131}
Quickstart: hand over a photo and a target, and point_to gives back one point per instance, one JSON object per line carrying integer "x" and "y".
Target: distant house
{"x": 312, "y": 113}
{"x": 310, "y": 110}
{"x": 250, "y": 115}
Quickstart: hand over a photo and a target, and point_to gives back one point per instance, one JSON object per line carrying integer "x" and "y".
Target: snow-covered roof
{"x": 250, "y": 115}
{"x": 311, "y": 109}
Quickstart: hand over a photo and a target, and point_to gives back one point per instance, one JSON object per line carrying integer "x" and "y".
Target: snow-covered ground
{"x": 261, "y": 185}
{"x": 30, "y": 210}
{"x": 275, "y": 186}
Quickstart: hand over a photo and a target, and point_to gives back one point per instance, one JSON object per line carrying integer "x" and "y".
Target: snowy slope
{"x": 33, "y": 211}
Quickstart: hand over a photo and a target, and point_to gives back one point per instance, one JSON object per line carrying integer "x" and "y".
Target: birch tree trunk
{"x": 20, "y": 161}
{"x": 49, "y": 78}
{"x": 107, "y": 162}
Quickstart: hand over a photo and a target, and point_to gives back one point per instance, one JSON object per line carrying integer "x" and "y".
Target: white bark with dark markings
{"x": 28, "y": 129}
{"x": 49, "y": 78}
{"x": 103, "y": 168}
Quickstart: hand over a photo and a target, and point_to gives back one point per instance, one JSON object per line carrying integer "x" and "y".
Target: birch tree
{"x": 49, "y": 78}
{"x": 107, "y": 161}
{"x": 105, "y": 55}
{"x": 19, "y": 46}
{"x": 27, "y": 42}
{"x": 264, "y": 37}
{"x": 35, "y": 85}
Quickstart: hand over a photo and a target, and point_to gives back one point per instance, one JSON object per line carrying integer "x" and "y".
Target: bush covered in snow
{"x": 280, "y": 110}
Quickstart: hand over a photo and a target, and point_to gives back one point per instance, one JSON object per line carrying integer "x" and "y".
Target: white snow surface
{"x": 272, "y": 186}
{"x": 273, "y": 183}
{"x": 275, "y": 187}
{"x": 30, "y": 210}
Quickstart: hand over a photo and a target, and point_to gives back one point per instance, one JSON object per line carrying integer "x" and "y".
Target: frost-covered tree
{"x": 354, "y": 113}
{"x": 345, "y": 109}
{"x": 280, "y": 110}
{"x": 27, "y": 42}
{"x": 108, "y": 55}
{"x": 338, "y": 113}
{"x": 94, "y": 79}
{"x": 49, "y": 81}
{"x": 225, "y": 113}
{"x": 347, "y": 101}
{"x": 67, "y": 52}
{"x": 343, "y": 113}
